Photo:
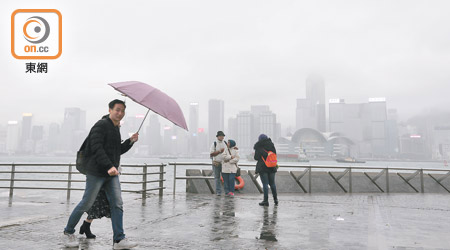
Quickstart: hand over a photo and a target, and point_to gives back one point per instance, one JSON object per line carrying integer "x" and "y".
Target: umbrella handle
{"x": 142, "y": 121}
{"x": 131, "y": 143}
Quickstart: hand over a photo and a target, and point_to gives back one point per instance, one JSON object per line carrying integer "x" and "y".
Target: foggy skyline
{"x": 245, "y": 53}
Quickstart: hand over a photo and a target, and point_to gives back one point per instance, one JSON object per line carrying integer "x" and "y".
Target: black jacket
{"x": 260, "y": 151}
{"x": 105, "y": 147}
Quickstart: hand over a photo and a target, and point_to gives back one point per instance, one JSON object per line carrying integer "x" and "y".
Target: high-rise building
{"x": 25, "y": 139}
{"x": 154, "y": 136}
{"x": 232, "y": 129}
{"x": 305, "y": 116}
{"x": 73, "y": 130}
{"x": 12, "y": 137}
{"x": 54, "y": 137}
{"x": 216, "y": 117}
{"x": 310, "y": 112}
{"x": 392, "y": 135}
{"x": 265, "y": 122}
{"x": 194, "y": 147}
{"x": 37, "y": 134}
{"x": 248, "y": 125}
{"x": 3, "y": 134}
{"x": 193, "y": 117}
{"x": 378, "y": 121}
{"x": 245, "y": 133}
{"x": 441, "y": 142}
{"x": 315, "y": 94}
{"x": 365, "y": 124}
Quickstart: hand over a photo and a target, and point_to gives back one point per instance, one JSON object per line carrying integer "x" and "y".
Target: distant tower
{"x": 315, "y": 93}
{"x": 153, "y": 135}
{"x": 193, "y": 118}
{"x": 216, "y": 120}
{"x": 310, "y": 111}
{"x": 264, "y": 121}
{"x": 193, "y": 128}
{"x": 12, "y": 137}
{"x": 25, "y": 139}
{"x": 73, "y": 129}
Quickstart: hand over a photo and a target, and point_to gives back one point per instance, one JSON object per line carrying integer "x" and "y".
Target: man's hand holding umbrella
{"x": 114, "y": 171}
{"x": 134, "y": 138}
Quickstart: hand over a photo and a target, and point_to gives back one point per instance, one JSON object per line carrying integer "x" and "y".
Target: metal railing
{"x": 308, "y": 170}
{"x": 175, "y": 177}
{"x": 69, "y": 170}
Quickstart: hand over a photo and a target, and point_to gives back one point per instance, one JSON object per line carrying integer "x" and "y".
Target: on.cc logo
{"x": 37, "y": 24}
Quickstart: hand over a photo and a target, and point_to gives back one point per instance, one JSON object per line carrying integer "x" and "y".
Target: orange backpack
{"x": 271, "y": 160}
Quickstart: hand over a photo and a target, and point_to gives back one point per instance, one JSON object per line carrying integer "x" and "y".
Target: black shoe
{"x": 264, "y": 203}
{"x": 276, "y": 202}
{"x": 86, "y": 229}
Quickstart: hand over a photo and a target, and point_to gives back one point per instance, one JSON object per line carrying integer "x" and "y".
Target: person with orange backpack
{"x": 266, "y": 167}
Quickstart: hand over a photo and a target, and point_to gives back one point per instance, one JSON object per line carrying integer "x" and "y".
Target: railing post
{"x": 161, "y": 179}
{"x": 11, "y": 182}
{"x": 69, "y": 181}
{"x": 310, "y": 179}
{"x": 422, "y": 188}
{"x": 174, "y": 177}
{"x": 350, "y": 180}
{"x": 144, "y": 182}
{"x": 387, "y": 180}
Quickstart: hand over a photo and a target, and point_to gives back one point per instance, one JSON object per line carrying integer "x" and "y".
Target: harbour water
{"x": 168, "y": 176}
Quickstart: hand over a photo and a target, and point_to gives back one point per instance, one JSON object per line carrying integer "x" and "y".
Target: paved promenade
{"x": 358, "y": 221}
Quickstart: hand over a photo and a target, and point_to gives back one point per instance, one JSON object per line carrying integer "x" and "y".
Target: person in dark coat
{"x": 105, "y": 147}
{"x": 266, "y": 174}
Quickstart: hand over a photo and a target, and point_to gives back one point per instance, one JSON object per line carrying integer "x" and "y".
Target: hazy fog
{"x": 244, "y": 52}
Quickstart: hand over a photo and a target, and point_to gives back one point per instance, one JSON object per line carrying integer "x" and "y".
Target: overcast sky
{"x": 244, "y": 52}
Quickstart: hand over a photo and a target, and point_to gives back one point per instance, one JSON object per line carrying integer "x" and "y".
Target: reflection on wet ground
{"x": 358, "y": 221}
{"x": 269, "y": 225}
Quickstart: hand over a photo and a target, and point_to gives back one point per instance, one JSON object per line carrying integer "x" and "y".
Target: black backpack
{"x": 82, "y": 156}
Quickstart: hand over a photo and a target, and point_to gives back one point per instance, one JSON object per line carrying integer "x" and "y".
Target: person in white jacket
{"x": 229, "y": 167}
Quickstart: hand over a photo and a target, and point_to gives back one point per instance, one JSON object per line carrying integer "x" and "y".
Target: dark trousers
{"x": 269, "y": 179}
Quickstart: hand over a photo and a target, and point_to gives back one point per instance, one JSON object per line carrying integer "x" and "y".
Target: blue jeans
{"x": 228, "y": 182}
{"x": 217, "y": 171}
{"x": 111, "y": 185}
{"x": 269, "y": 179}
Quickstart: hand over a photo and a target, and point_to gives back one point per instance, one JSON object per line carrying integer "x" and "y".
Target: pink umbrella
{"x": 154, "y": 99}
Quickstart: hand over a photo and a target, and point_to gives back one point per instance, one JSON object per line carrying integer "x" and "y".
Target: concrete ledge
{"x": 331, "y": 182}
{"x": 249, "y": 187}
{"x": 196, "y": 186}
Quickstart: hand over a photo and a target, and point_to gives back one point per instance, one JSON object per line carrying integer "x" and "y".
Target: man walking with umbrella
{"x": 102, "y": 170}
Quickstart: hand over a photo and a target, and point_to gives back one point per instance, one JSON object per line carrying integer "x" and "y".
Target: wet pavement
{"x": 359, "y": 221}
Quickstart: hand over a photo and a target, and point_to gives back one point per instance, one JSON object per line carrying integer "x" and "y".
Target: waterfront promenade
{"x": 194, "y": 221}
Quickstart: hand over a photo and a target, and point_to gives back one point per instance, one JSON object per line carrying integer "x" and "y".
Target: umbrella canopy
{"x": 154, "y": 99}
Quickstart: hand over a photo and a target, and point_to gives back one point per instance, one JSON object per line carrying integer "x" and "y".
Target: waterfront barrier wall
{"x": 331, "y": 179}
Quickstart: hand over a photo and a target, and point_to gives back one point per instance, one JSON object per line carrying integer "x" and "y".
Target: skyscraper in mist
{"x": 154, "y": 135}
{"x": 247, "y": 126}
{"x": 73, "y": 130}
{"x": 216, "y": 117}
{"x": 310, "y": 111}
{"x": 25, "y": 138}
{"x": 365, "y": 124}
{"x": 193, "y": 138}
{"x": 3, "y": 131}
{"x": 12, "y": 137}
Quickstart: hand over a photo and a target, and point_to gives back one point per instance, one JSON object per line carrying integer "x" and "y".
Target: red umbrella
{"x": 154, "y": 99}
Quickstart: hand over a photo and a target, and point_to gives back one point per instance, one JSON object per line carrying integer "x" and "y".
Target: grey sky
{"x": 244, "y": 52}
